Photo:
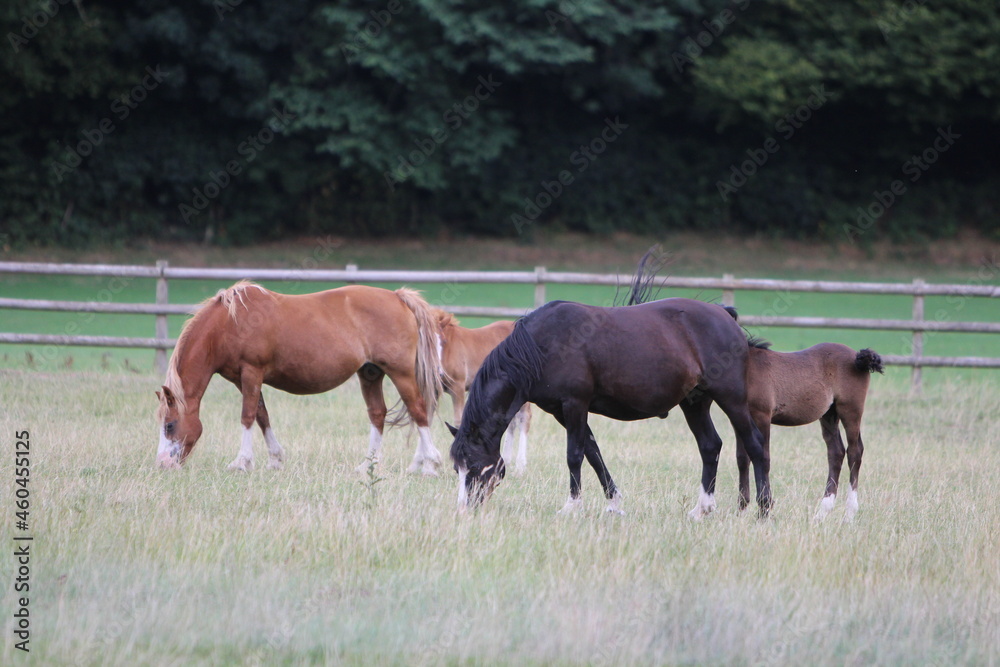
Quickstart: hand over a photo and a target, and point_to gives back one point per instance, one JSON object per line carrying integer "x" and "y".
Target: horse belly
{"x": 802, "y": 408}
{"x": 310, "y": 374}
{"x": 642, "y": 397}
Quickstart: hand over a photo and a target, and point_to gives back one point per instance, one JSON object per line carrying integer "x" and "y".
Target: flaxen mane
{"x": 445, "y": 319}
{"x": 231, "y": 296}
{"x": 228, "y": 298}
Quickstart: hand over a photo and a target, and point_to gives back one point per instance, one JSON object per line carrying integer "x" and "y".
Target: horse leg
{"x": 427, "y": 458}
{"x": 835, "y": 459}
{"x": 250, "y": 381}
{"x": 752, "y": 440}
{"x": 458, "y": 402}
{"x": 699, "y": 420}
{"x": 855, "y": 450}
{"x": 507, "y": 450}
{"x": 275, "y": 454}
{"x": 370, "y": 377}
{"x": 596, "y": 461}
{"x": 574, "y": 419}
{"x": 763, "y": 422}
{"x": 517, "y": 427}
{"x": 524, "y": 421}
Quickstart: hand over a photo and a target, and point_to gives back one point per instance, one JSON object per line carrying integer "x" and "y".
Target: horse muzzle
{"x": 169, "y": 454}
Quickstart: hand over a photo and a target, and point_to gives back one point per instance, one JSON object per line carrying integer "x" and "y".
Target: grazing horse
{"x": 302, "y": 344}
{"x": 462, "y": 353}
{"x": 827, "y": 382}
{"x": 627, "y": 363}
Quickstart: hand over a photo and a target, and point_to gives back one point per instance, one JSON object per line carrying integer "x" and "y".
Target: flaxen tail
{"x": 868, "y": 361}
{"x": 428, "y": 368}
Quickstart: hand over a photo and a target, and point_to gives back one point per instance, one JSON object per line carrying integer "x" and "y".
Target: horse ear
{"x": 454, "y": 431}
{"x": 168, "y": 396}
{"x": 159, "y": 396}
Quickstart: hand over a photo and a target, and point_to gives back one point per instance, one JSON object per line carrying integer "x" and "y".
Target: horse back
{"x": 320, "y": 338}
{"x": 795, "y": 388}
{"x": 649, "y": 356}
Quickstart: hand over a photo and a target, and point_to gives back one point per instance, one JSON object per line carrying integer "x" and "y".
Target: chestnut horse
{"x": 302, "y": 344}
{"x": 827, "y": 382}
{"x": 462, "y": 353}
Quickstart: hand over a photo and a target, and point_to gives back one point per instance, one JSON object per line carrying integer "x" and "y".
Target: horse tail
{"x": 868, "y": 361}
{"x": 641, "y": 289}
{"x": 428, "y": 362}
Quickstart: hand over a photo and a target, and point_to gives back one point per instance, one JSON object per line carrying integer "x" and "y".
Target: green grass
{"x": 135, "y": 566}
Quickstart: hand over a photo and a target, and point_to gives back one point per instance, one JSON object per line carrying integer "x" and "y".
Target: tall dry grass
{"x": 135, "y": 566}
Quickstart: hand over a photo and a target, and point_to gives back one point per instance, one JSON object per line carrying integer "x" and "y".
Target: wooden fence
{"x": 540, "y": 277}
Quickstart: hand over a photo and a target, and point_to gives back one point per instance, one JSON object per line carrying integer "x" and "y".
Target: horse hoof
{"x": 243, "y": 465}
{"x": 413, "y": 469}
{"x": 275, "y": 464}
{"x": 429, "y": 471}
{"x": 615, "y": 510}
{"x": 572, "y": 506}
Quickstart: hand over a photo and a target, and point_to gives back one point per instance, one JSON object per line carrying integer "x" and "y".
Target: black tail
{"x": 868, "y": 361}
{"x": 645, "y": 275}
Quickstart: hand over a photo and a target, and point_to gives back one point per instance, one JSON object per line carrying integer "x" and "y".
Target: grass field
{"x": 311, "y": 565}
{"x": 317, "y": 565}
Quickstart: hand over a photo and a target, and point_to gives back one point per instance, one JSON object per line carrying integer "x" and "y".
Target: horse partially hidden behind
{"x": 462, "y": 353}
{"x": 302, "y": 344}
{"x": 626, "y": 363}
{"x": 827, "y": 382}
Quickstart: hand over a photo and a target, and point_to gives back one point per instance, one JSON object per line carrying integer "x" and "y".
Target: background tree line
{"x": 239, "y": 121}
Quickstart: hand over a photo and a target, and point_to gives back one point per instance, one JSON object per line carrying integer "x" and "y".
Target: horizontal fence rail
{"x": 540, "y": 277}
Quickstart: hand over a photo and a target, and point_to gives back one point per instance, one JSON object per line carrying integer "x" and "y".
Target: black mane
{"x": 517, "y": 359}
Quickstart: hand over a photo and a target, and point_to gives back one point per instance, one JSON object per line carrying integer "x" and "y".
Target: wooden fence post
{"x": 539, "y": 286}
{"x": 162, "y": 299}
{"x": 728, "y": 295}
{"x": 916, "y": 375}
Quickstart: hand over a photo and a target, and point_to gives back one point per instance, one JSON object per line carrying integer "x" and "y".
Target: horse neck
{"x": 498, "y": 403}
{"x": 195, "y": 366}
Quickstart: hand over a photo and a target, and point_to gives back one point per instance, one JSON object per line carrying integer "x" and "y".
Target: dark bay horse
{"x": 302, "y": 344}
{"x": 462, "y": 353}
{"x": 627, "y": 363}
{"x": 827, "y": 382}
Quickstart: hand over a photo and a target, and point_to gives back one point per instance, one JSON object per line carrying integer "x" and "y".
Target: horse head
{"x": 478, "y": 464}
{"x": 179, "y": 430}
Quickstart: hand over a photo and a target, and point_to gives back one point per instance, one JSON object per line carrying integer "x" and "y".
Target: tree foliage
{"x": 236, "y": 121}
